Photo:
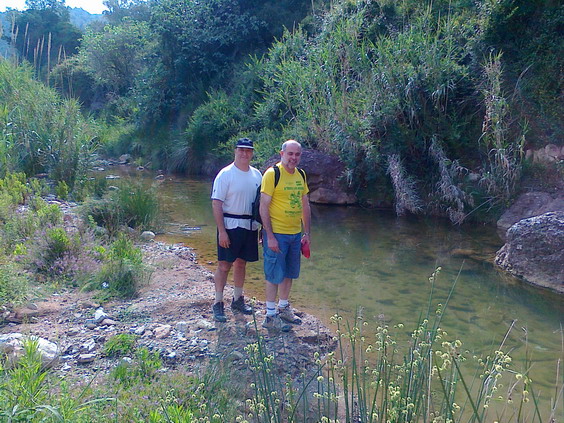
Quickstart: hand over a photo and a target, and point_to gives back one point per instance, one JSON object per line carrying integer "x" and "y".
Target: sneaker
{"x": 274, "y": 322}
{"x": 240, "y": 305}
{"x": 287, "y": 314}
{"x": 219, "y": 312}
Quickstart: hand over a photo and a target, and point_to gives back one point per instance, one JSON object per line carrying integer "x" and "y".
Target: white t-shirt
{"x": 237, "y": 190}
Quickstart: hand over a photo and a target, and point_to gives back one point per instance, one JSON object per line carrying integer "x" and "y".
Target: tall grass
{"x": 39, "y": 131}
{"x": 25, "y": 393}
{"x": 132, "y": 204}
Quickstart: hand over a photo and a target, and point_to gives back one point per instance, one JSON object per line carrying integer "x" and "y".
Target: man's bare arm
{"x": 264, "y": 211}
{"x": 217, "y": 206}
{"x": 306, "y": 217}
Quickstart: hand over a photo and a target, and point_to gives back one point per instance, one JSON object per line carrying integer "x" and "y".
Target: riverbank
{"x": 171, "y": 315}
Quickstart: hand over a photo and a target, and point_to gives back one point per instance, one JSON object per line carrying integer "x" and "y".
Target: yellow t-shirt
{"x": 286, "y": 206}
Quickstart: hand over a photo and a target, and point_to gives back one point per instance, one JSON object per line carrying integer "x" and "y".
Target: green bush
{"x": 123, "y": 271}
{"x": 58, "y": 243}
{"x": 131, "y": 205}
{"x": 120, "y": 345}
{"x": 14, "y": 284}
{"x": 27, "y": 394}
{"x": 62, "y": 190}
{"x": 19, "y": 228}
{"x": 41, "y": 132}
{"x": 143, "y": 368}
{"x": 14, "y": 187}
{"x": 139, "y": 205}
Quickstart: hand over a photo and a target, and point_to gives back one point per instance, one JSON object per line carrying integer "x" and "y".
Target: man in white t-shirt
{"x": 234, "y": 190}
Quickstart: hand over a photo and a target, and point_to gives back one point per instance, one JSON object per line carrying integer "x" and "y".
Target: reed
{"x": 42, "y": 133}
{"x": 378, "y": 377}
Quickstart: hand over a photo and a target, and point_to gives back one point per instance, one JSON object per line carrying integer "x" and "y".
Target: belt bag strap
{"x": 238, "y": 216}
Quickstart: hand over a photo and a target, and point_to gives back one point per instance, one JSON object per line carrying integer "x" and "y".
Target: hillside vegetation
{"x": 429, "y": 104}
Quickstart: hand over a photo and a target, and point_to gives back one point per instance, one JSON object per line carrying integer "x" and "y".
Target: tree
{"x": 116, "y": 55}
{"x": 43, "y": 35}
{"x": 118, "y": 10}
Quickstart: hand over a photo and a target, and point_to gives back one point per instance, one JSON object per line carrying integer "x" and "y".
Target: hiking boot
{"x": 274, "y": 323}
{"x": 240, "y": 306}
{"x": 287, "y": 314}
{"x": 219, "y": 312}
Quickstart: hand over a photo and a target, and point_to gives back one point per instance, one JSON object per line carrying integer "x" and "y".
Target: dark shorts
{"x": 243, "y": 245}
{"x": 286, "y": 263}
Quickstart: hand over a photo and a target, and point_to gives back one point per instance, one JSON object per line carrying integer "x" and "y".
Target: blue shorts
{"x": 285, "y": 264}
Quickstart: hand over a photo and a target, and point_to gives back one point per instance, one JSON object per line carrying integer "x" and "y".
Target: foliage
{"x": 13, "y": 187}
{"x": 40, "y": 132}
{"x": 116, "y": 54}
{"x": 122, "y": 272}
{"x": 14, "y": 284}
{"x": 139, "y": 204}
{"x": 131, "y": 204}
{"x": 142, "y": 369}
{"x": 503, "y": 169}
{"x": 62, "y": 190}
{"x": 120, "y": 345}
{"x": 44, "y": 36}
{"x": 25, "y": 393}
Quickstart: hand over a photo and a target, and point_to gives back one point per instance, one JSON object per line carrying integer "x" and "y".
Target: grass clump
{"x": 14, "y": 284}
{"x": 122, "y": 271}
{"x": 120, "y": 345}
{"x": 141, "y": 369}
{"x": 131, "y": 205}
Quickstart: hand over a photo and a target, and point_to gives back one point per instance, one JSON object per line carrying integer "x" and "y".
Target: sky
{"x": 92, "y": 6}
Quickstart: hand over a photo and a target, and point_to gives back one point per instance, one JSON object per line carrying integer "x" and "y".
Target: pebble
{"x": 86, "y": 358}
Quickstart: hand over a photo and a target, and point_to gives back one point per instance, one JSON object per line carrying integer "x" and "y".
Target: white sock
{"x": 237, "y": 292}
{"x": 270, "y": 308}
{"x": 283, "y": 303}
{"x": 218, "y": 297}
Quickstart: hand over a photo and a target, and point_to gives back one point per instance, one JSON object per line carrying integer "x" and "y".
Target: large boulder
{"x": 528, "y": 205}
{"x": 324, "y": 177}
{"x": 534, "y": 250}
{"x": 12, "y": 348}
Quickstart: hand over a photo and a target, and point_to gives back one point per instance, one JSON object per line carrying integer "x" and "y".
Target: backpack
{"x": 255, "y": 213}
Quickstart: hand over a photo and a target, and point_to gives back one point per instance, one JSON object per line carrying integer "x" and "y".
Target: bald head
{"x": 290, "y": 155}
{"x": 291, "y": 142}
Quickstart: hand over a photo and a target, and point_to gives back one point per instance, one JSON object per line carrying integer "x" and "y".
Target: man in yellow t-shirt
{"x": 285, "y": 211}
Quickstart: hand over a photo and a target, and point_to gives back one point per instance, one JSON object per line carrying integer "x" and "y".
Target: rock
{"x": 534, "y": 250}
{"x": 162, "y": 331}
{"x": 90, "y": 324}
{"x": 88, "y": 346}
{"x": 147, "y": 236}
{"x": 204, "y": 324}
{"x": 73, "y": 331}
{"x": 181, "y": 328}
{"x": 108, "y": 322}
{"x": 140, "y": 330}
{"x": 124, "y": 158}
{"x": 99, "y": 315}
{"x": 324, "y": 177}
{"x": 86, "y": 358}
{"x": 12, "y": 346}
{"x": 528, "y": 205}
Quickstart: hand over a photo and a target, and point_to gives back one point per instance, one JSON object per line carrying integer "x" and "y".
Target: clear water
{"x": 381, "y": 263}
